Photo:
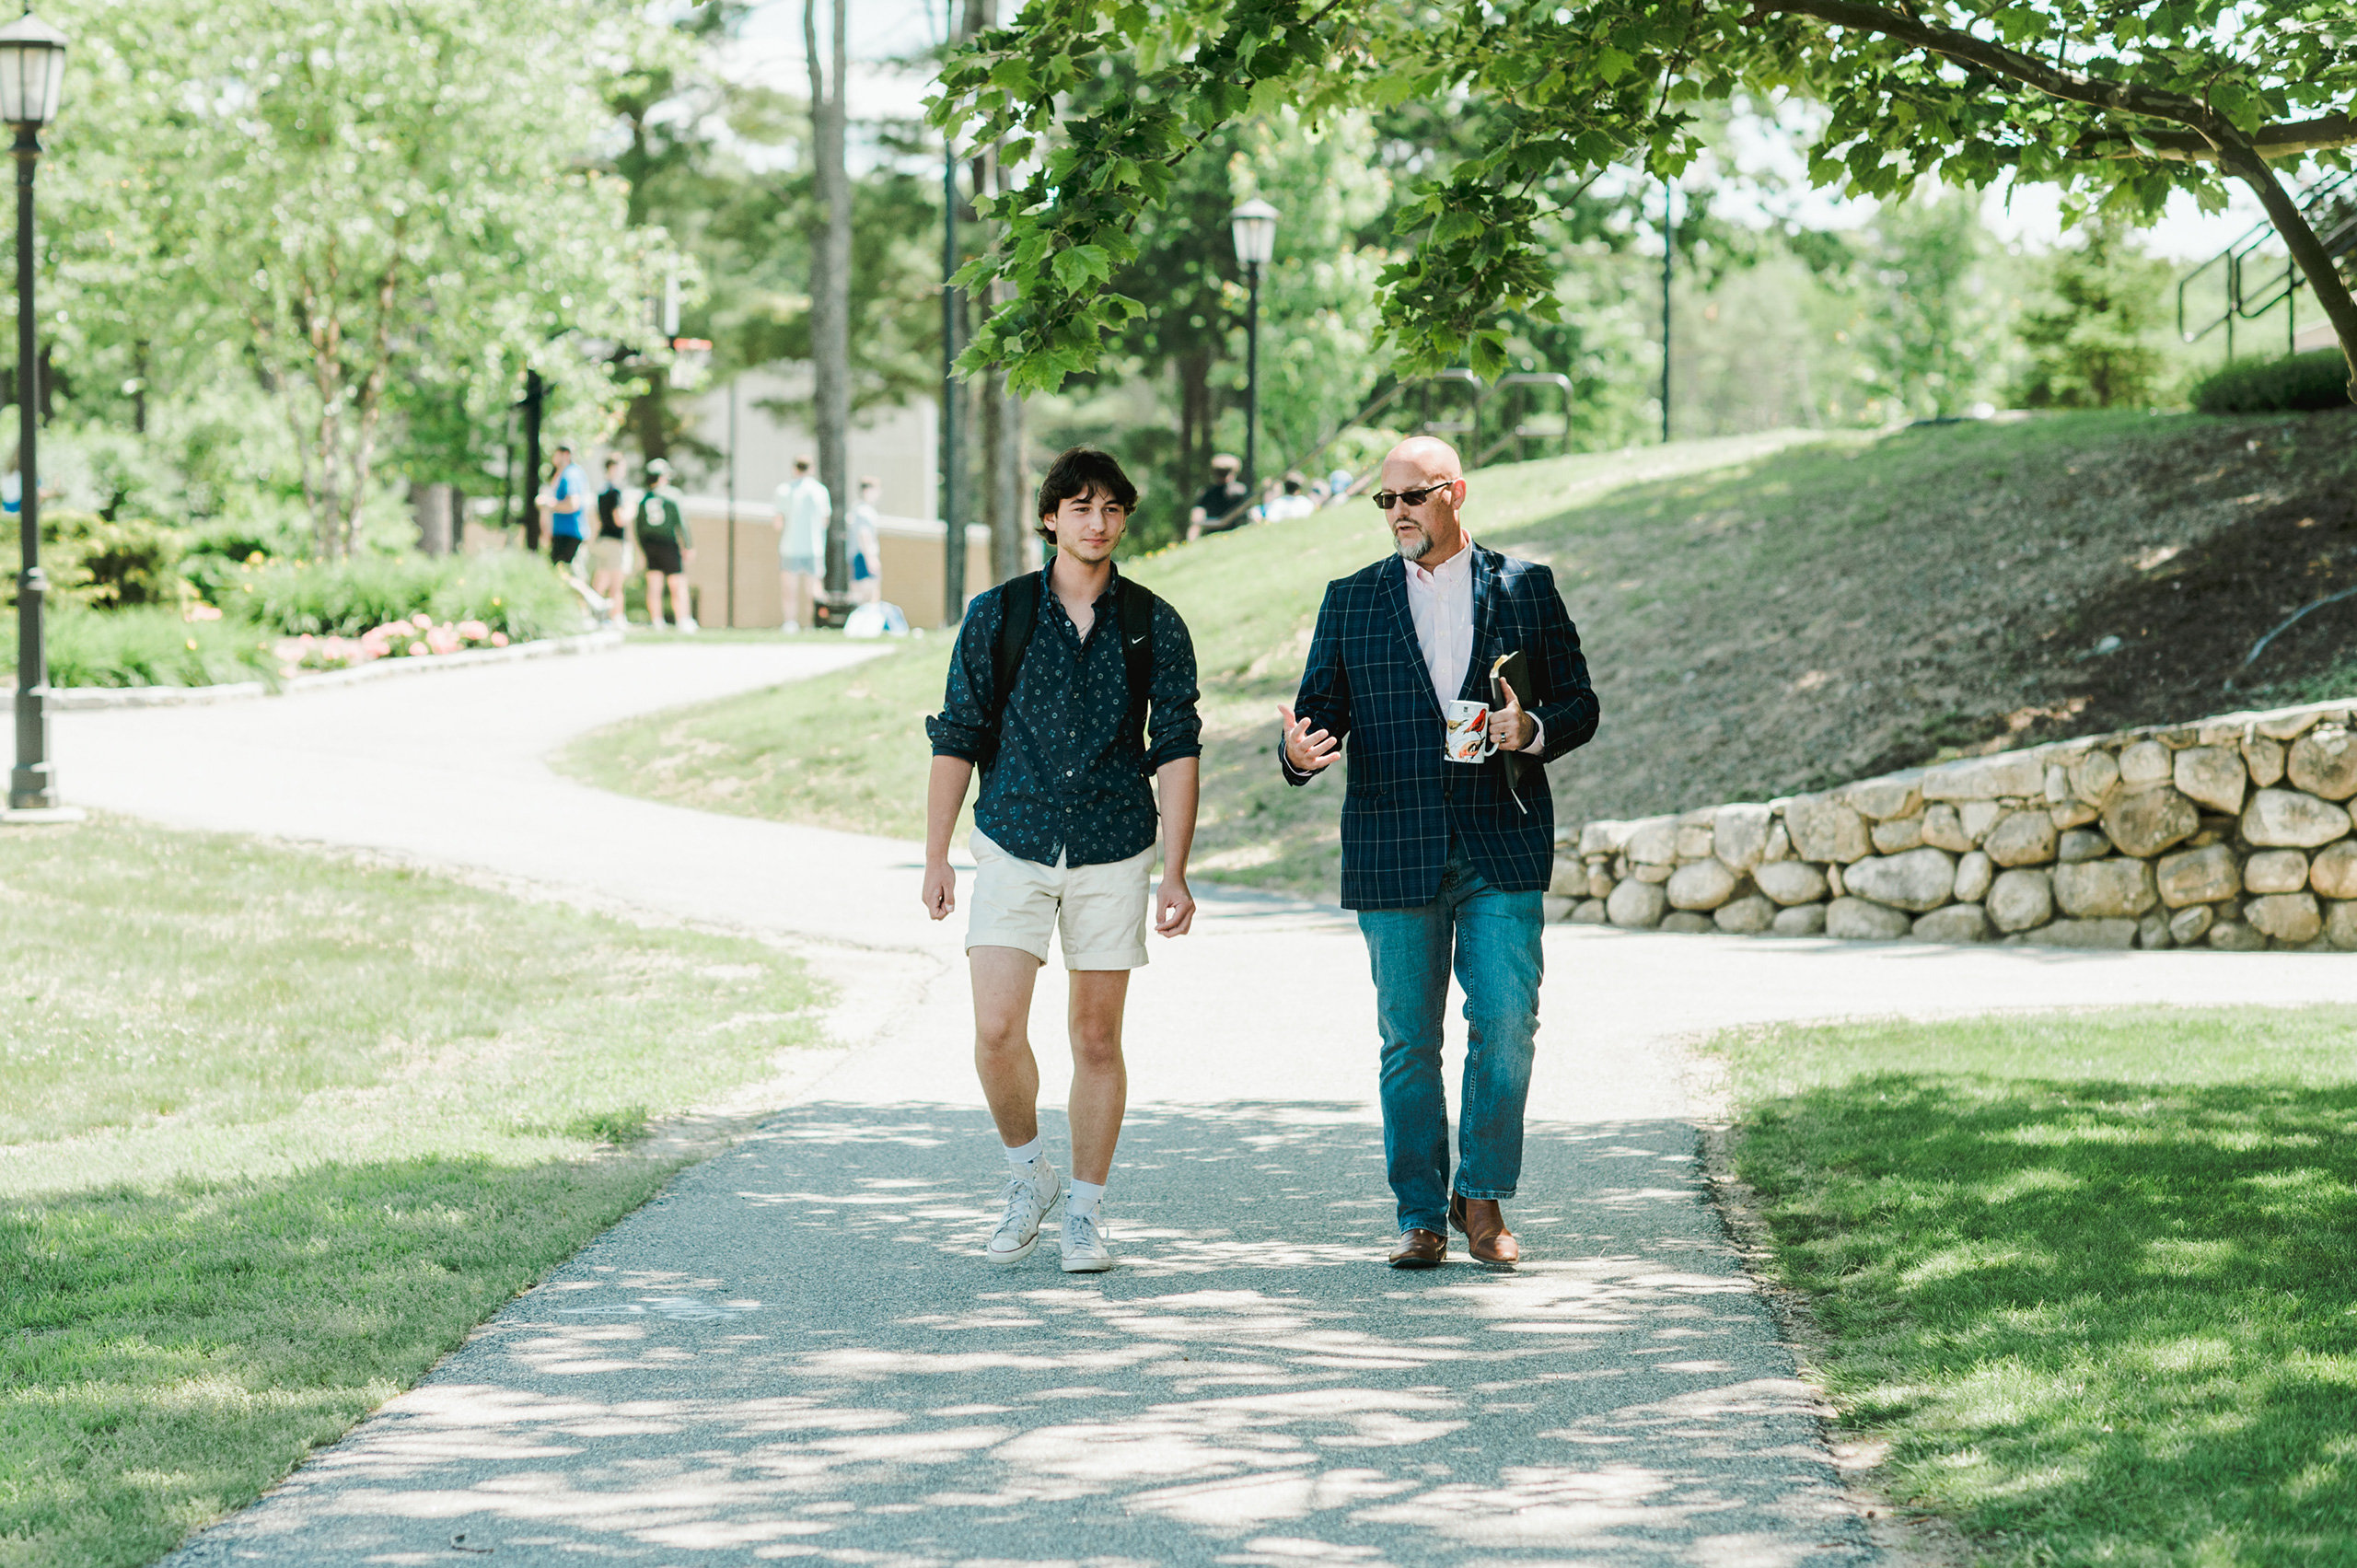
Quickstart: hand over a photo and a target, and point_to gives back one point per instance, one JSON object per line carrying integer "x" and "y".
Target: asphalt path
{"x": 797, "y": 1350}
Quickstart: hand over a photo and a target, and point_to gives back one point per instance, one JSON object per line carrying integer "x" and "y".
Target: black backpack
{"x": 1020, "y": 617}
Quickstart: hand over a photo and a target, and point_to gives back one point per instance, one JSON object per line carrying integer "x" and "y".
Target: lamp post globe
{"x": 1254, "y": 225}
{"x": 32, "y": 79}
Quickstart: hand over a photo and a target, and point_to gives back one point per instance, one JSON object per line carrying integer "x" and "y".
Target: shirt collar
{"x": 1448, "y": 571}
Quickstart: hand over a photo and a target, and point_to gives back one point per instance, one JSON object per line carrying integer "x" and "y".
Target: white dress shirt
{"x": 1440, "y": 602}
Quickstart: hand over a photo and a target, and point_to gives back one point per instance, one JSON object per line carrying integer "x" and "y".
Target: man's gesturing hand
{"x": 940, "y": 893}
{"x": 1510, "y": 728}
{"x": 1308, "y": 751}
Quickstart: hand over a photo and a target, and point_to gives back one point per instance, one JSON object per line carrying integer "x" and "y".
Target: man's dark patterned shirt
{"x": 1070, "y": 778}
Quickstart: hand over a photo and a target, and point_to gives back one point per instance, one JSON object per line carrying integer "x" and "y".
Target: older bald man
{"x": 1446, "y": 862}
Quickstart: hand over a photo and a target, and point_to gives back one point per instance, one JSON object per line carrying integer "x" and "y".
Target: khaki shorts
{"x": 610, "y": 554}
{"x": 1101, "y": 910}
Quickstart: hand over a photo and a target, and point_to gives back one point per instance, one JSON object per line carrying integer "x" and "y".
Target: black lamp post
{"x": 32, "y": 70}
{"x": 1255, "y": 226}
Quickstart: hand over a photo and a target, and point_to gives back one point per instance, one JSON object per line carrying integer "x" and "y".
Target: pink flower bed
{"x": 417, "y": 637}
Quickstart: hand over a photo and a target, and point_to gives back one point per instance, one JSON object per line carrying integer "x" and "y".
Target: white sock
{"x": 1080, "y": 1198}
{"x": 1026, "y": 1160}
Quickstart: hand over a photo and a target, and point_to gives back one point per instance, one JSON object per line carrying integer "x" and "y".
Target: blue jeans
{"x": 1496, "y": 952}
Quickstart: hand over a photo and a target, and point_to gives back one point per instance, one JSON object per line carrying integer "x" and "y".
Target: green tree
{"x": 2091, "y": 337}
{"x": 370, "y": 194}
{"x": 2119, "y": 104}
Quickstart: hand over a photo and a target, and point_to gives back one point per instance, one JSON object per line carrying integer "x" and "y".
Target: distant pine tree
{"x": 2090, "y": 338}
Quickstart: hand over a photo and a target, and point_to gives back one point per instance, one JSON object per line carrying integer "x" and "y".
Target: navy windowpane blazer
{"x": 1368, "y": 685}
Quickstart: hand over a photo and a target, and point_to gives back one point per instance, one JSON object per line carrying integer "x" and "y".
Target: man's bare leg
{"x": 1100, "y": 1079}
{"x": 1004, "y": 978}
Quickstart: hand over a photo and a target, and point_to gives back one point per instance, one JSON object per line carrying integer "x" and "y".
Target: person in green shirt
{"x": 667, "y": 545}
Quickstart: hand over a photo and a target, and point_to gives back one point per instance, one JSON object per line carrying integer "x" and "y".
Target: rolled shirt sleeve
{"x": 1175, "y": 728}
{"x": 963, "y": 727}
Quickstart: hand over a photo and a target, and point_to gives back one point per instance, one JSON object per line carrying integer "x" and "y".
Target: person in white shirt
{"x": 866, "y": 545}
{"x": 804, "y": 508}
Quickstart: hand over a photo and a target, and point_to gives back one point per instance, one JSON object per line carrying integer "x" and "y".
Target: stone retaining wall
{"x": 2234, "y": 832}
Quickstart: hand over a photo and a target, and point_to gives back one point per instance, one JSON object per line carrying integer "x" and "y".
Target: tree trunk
{"x": 1197, "y": 419}
{"x": 432, "y": 504}
{"x": 831, "y": 287}
{"x": 2300, "y": 238}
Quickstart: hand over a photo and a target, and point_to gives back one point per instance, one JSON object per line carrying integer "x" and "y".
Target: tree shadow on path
{"x": 798, "y": 1352}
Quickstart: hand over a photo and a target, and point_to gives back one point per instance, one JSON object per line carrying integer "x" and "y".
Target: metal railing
{"x": 2251, "y": 291}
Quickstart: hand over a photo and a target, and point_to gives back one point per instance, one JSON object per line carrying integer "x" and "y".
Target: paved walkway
{"x": 796, "y": 1354}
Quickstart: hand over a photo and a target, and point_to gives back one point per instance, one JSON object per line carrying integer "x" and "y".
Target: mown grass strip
{"x": 277, "y": 1129}
{"x": 2089, "y": 1276}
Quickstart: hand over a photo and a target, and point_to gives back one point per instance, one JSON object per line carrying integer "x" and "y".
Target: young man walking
{"x": 667, "y": 545}
{"x": 1069, "y": 687}
{"x": 1446, "y": 844}
{"x": 803, "y": 509}
{"x": 568, "y": 491}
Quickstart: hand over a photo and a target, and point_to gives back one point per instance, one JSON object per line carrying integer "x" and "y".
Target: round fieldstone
{"x": 1974, "y": 872}
{"x": 1862, "y": 919}
{"x": 2109, "y": 936}
{"x": 1600, "y": 885}
{"x": 2094, "y": 777}
{"x": 2341, "y": 925}
{"x": 2287, "y": 819}
{"x": 2146, "y": 821}
{"x": 1739, "y": 835}
{"x": 1825, "y": 830}
{"x": 2145, "y": 763}
{"x": 2333, "y": 872}
{"x": 1588, "y": 911}
{"x": 2276, "y": 871}
{"x": 1637, "y": 905}
{"x": 1791, "y": 882}
{"x": 2152, "y": 932}
{"x": 1687, "y": 923}
{"x": 1919, "y": 880}
{"x": 2212, "y": 777}
{"x": 1957, "y": 922}
{"x": 1802, "y": 920}
{"x": 2021, "y": 898}
{"x": 2287, "y": 917}
{"x": 2234, "y": 937}
{"x": 2197, "y": 877}
{"x": 1700, "y": 885}
{"x": 1898, "y": 835}
{"x": 1656, "y": 875}
{"x": 2187, "y": 926}
{"x": 2324, "y": 763}
{"x": 2026, "y": 838}
{"x": 1654, "y": 841}
{"x": 2105, "y": 889}
{"x": 1745, "y": 916}
{"x": 2264, "y": 758}
{"x": 2081, "y": 843}
{"x": 1942, "y": 829}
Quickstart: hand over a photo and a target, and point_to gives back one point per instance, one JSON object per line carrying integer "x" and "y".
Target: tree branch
{"x": 2320, "y": 134}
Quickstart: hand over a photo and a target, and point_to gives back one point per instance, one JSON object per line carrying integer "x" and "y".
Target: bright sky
{"x": 886, "y": 32}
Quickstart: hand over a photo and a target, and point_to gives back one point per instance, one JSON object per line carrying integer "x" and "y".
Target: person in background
{"x": 1295, "y": 502}
{"x": 1224, "y": 495}
{"x": 568, "y": 493}
{"x": 667, "y": 546}
{"x": 610, "y": 554}
{"x": 866, "y": 546}
{"x": 804, "y": 508}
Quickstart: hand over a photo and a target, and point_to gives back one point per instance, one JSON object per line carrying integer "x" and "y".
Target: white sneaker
{"x": 1085, "y": 1249}
{"x": 689, "y": 625}
{"x": 1028, "y": 1201}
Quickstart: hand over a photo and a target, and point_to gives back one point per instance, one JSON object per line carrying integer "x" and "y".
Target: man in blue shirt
{"x": 567, "y": 496}
{"x": 1064, "y": 828}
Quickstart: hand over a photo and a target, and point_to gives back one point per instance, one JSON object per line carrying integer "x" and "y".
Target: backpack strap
{"x": 1019, "y": 618}
{"x": 1136, "y": 607}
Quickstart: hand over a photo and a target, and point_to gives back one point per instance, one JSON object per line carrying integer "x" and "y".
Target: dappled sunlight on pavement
{"x": 798, "y": 1352}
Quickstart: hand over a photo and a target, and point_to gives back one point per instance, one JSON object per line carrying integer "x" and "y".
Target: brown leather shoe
{"x": 1420, "y": 1249}
{"x": 1485, "y": 1225}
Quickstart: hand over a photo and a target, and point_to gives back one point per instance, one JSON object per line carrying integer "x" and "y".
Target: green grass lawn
{"x": 2092, "y": 1278}
{"x": 278, "y": 1128}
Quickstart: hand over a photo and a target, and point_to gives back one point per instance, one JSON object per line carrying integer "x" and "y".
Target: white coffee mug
{"x": 1468, "y": 732}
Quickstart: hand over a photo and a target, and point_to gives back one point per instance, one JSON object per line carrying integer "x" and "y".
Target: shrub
{"x": 2318, "y": 380}
{"x": 512, "y": 592}
{"x": 108, "y": 564}
{"x": 144, "y": 645}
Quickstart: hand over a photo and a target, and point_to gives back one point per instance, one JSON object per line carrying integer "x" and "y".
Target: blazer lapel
{"x": 1485, "y": 627}
{"x": 1395, "y": 594}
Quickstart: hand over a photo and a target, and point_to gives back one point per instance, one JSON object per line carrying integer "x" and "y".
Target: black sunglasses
{"x": 1387, "y": 499}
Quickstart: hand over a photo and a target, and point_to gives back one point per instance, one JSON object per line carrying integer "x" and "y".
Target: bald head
{"x": 1425, "y": 529}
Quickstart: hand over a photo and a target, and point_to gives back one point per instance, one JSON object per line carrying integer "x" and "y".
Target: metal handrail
{"x": 2240, "y": 303}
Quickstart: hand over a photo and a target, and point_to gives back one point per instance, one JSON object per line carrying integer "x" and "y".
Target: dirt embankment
{"x": 1827, "y": 614}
